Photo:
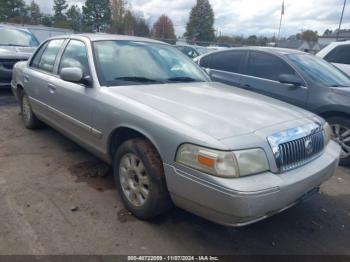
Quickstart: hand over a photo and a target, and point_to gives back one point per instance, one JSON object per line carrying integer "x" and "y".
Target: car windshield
{"x": 320, "y": 70}
{"x": 133, "y": 62}
{"x": 17, "y": 37}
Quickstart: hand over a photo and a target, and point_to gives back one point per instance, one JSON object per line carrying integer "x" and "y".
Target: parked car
{"x": 16, "y": 44}
{"x": 337, "y": 53}
{"x": 292, "y": 76}
{"x": 228, "y": 155}
{"x": 192, "y": 51}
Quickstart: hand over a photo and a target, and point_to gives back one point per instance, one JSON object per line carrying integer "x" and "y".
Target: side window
{"x": 267, "y": 66}
{"x": 340, "y": 54}
{"x": 48, "y": 57}
{"x": 75, "y": 55}
{"x": 227, "y": 61}
{"x": 36, "y": 60}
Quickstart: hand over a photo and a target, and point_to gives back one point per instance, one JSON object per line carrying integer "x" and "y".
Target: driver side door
{"x": 261, "y": 74}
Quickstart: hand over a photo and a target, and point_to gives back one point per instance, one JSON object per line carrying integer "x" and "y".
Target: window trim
{"x": 64, "y": 50}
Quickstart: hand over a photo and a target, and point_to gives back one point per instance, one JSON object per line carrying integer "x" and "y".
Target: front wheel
{"x": 140, "y": 179}
{"x": 341, "y": 134}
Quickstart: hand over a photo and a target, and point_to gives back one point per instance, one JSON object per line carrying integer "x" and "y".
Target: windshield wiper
{"x": 182, "y": 79}
{"x": 138, "y": 79}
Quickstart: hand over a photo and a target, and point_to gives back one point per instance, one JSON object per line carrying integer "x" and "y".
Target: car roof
{"x": 109, "y": 37}
{"x": 272, "y": 50}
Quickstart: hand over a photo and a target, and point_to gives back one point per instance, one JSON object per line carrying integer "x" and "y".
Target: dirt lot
{"x": 53, "y": 200}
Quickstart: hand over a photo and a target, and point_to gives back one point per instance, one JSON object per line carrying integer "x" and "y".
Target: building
{"x": 302, "y": 45}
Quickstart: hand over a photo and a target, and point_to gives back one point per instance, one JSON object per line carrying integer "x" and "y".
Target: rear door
{"x": 261, "y": 74}
{"x": 225, "y": 66}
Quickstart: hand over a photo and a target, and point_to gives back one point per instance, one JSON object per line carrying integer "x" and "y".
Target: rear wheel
{"x": 341, "y": 134}
{"x": 29, "y": 119}
{"x": 139, "y": 176}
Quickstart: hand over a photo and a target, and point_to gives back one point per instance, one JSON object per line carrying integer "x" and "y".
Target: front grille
{"x": 301, "y": 151}
{"x": 295, "y": 147}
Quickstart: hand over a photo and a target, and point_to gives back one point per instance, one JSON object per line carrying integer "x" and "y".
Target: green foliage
{"x": 74, "y": 18}
{"x": 35, "y": 13}
{"x": 47, "y": 20}
{"x": 309, "y": 35}
{"x": 11, "y": 9}
{"x": 97, "y": 14}
{"x": 59, "y": 17}
{"x": 200, "y": 26}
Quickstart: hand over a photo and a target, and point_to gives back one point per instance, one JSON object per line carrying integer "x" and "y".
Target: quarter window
{"x": 48, "y": 57}
{"x": 267, "y": 66}
{"x": 227, "y": 61}
{"x": 340, "y": 54}
{"x": 75, "y": 55}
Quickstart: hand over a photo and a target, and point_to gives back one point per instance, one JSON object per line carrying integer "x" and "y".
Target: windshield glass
{"x": 320, "y": 70}
{"x": 132, "y": 62}
{"x": 17, "y": 37}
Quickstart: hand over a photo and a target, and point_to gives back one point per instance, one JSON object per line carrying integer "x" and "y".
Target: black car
{"x": 16, "y": 44}
{"x": 292, "y": 76}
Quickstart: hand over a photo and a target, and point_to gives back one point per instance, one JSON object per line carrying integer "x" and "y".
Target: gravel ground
{"x": 56, "y": 198}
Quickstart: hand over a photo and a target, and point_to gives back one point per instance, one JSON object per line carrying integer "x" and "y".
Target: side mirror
{"x": 75, "y": 75}
{"x": 290, "y": 79}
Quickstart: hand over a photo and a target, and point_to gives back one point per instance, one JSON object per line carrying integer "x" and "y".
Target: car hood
{"x": 14, "y": 52}
{"x": 219, "y": 110}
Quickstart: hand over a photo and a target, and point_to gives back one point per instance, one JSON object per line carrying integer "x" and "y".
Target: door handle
{"x": 247, "y": 86}
{"x": 26, "y": 78}
{"x": 52, "y": 88}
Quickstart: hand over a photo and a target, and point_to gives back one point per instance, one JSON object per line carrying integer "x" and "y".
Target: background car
{"x": 192, "y": 51}
{"x": 292, "y": 76}
{"x": 16, "y": 44}
{"x": 337, "y": 53}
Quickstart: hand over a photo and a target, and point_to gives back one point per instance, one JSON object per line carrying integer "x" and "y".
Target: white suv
{"x": 338, "y": 53}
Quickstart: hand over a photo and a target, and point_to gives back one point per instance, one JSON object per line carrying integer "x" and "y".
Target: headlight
{"x": 328, "y": 133}
{"x": 223, "y": 163}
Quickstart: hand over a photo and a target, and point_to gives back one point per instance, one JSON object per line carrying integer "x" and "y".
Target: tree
{"x": 59, "y": 17}
{"x": 47, "y": 20}
{"x": 12, "y": 9}
{"x": 309, "y": 35}
{"x": 164, "y": 28}
{"x": 118, "y": 14}
{"x": 140, "y": 27}
{"x": 35, "y": 13}
{"x": 200, "y": 26}
{"x": 74, "y": 18}
{"x": 97, "y": 14}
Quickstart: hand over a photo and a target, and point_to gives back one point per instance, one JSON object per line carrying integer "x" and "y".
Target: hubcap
{"x": 26, "y": 109}
{"x": 134, "y": 179}
{"x": 341, "y": 135}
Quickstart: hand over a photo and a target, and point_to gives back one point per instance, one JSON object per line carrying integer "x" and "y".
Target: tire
{"x": 140, "y": 179}
{"x": 341, "y": 134}
{"x": 28, "y": 117}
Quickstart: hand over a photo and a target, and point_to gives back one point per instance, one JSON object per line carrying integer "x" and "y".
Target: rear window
{"x": 227, "y": 61}
{"x": 340, "y": 54}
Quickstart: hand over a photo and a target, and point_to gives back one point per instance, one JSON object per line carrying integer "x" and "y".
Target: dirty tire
{"x": 29, "y": 119}
{"x": 157, "y": 200}
{"x": 345, "y": 124}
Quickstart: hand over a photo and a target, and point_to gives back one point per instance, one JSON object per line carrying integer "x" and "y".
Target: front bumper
{"x": 242, "y": 201}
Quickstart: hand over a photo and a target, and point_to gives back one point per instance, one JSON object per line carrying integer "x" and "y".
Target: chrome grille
{"x": 301, "y": 151}
{"x": 297, "y": 146}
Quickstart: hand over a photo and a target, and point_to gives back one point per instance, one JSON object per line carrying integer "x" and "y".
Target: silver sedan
{"x": 172, "y": 135}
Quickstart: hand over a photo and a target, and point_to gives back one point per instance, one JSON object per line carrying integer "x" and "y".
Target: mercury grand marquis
{"x": 173, "y": 136}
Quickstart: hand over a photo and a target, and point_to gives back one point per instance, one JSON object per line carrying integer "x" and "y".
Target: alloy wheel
{"x": 341, "y": 135}
{"x": 134, "y": 179}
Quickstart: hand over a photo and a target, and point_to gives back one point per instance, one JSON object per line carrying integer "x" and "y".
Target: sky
{"x": 244, "y": 17}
